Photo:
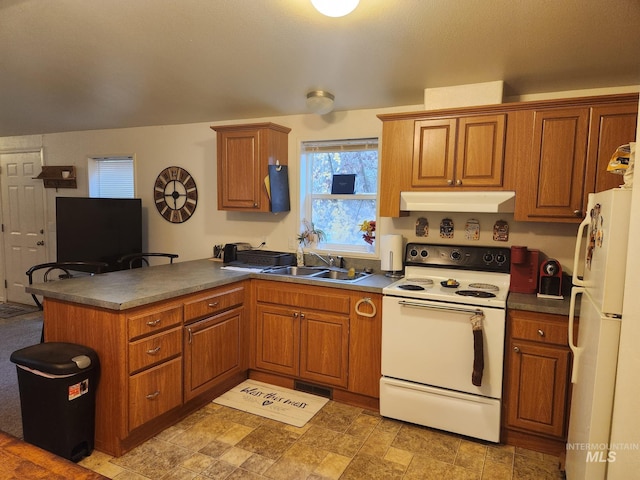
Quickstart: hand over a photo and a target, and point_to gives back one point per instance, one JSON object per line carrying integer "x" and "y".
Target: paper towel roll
{"x": 391, "y": 253}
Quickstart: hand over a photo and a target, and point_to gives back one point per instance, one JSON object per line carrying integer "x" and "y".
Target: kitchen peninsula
{"x": 170, "y": 338}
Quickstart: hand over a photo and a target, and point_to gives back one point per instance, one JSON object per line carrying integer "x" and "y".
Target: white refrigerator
{"x": 601, "y": 257}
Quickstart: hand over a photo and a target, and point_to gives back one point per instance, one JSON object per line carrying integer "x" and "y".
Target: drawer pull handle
{"x": 190, "y": 335}
{"x": 153, "y": 351}
{"x": 213, "y": 305}
{"x": 153, "y": 396}
{"x": 516, "y": 349}
{"x": 541, "y": 333}
{"x": 154, "y": 323}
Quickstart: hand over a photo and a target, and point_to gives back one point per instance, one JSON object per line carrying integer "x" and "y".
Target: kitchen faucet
{"x": 331, "y": 262}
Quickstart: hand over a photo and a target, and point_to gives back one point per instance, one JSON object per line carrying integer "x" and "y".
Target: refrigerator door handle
{"x": 577, "y": 351}
{"x": 578, "y": 254}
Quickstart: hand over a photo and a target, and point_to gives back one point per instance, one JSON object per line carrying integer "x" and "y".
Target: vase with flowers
{"x": 310, "y": 235}
{"x": 369, "y": 229}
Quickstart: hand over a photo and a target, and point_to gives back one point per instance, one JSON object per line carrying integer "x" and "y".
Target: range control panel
{"x": 484, "y": 259}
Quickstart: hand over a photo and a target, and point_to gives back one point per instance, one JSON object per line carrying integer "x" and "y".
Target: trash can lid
{"x": 58, "y": 358}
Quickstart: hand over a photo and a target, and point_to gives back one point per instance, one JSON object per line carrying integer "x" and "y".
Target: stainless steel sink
{"x": 296, "y": 271}
{"x": 341, "y": 276}
{"x": 317, "y": 272}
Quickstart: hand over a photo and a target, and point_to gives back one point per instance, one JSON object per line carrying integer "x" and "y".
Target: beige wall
{"x": 193, "y": 146}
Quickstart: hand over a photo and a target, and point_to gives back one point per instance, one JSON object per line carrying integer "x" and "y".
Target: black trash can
{"x": 57, "y": 384}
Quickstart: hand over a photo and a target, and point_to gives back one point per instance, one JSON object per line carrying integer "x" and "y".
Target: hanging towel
{"x": 478, "y": 348}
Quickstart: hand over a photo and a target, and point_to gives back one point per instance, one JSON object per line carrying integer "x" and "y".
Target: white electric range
{"x": 443, "y": 329}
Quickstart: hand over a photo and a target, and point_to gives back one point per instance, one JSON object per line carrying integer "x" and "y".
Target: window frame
{"x": 307, "y": 197}
{"x": 93, "y": 169}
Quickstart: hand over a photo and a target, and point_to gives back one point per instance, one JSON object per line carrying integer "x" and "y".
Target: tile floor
{"x": 340, "y": 442}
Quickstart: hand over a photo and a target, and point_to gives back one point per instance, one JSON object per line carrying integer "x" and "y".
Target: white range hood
{"x": 472, "y": 202}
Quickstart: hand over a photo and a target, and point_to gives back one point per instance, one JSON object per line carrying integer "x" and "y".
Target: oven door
{"x": 431, "y": 343}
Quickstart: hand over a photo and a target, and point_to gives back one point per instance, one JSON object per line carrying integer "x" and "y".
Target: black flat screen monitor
{"x": 98, "y": 229}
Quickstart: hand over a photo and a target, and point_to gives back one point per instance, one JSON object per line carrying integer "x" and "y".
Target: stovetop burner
{"x": 475, "y": 293}
{"x": 410, "y": 286}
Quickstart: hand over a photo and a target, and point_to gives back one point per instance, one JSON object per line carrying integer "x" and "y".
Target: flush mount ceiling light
{"x": 335, "y": 8}
{"x": 320, "y": 102}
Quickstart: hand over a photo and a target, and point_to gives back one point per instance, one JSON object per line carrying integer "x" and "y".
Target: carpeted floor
{"x": 15, "y": 332}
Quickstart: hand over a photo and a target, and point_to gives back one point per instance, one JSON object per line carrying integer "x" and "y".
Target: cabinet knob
{"x": 458, "y": 182}
{"x": 295, "y": 314}
{"x": 577, "y": 213}
{"x": 255, "y": 205}
{"x": 302, "y": 315}
{"x": 449, "y": 182}
{"x": 541, "y": 333}
{"x": 516, "y": 349}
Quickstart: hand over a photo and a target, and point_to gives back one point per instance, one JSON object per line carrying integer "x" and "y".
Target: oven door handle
{"x": 446, "y": 308}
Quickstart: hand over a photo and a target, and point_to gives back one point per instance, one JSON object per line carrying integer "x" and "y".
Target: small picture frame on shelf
{"x": 343, "y": 184}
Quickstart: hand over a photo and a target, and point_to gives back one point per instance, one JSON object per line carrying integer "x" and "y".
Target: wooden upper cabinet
{"x": 244, "y": 153}
{"x": 459, "y": 152}
{"x": 553, "y": 187}
{"x": 610, "y": 127}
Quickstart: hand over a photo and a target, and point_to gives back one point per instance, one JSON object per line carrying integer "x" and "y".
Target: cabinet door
{"x": 365, "y": 345}
{"x": 538, "y": 385}
{"x": 212, "y": 350}
{"x": 433, "y": 153}
{"x": 610, "y": 127}
{"x": 239, "y": 181}
{"x": 324, "y": 350}
{"x": 277, "y": 339}
{"x": 558, "y": 160}
{"x": 480, "y": 152}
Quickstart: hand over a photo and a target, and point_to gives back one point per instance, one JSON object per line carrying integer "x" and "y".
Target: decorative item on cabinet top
{"x": 58, "y": 176}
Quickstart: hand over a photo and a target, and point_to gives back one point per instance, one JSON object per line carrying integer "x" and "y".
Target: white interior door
{"x": 23, "y": 219}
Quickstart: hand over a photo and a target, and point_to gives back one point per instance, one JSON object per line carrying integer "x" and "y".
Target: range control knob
{"x": 424, "y": 253}
{"x": 487, "y": 257}
{"x": 456, "y": 255}
{"x": 501, "y": 258}
{"x": 413, "y": 252}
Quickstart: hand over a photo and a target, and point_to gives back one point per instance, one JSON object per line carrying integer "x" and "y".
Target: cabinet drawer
{"x": 154, "y": 321}
{"x": 540, "y": 331}
{"x": 213, "y": 303}
{"x": 154, "y": 392}
{"x": 305, "y": 298}
{"x": 154, "y": 349}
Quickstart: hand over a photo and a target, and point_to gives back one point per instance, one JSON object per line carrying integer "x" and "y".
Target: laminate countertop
{"x": 142, "y": 286}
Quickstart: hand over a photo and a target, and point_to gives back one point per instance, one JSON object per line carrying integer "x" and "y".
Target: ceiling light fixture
{"x": 335, "y": 8}
{"x": 320, "y": 102}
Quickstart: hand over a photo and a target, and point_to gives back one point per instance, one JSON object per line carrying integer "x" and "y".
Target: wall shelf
{"x": 55, "y": 176}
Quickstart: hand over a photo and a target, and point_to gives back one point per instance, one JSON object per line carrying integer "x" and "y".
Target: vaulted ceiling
{"x": 69, "y": 65}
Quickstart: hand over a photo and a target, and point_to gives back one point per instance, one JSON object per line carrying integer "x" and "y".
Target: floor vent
{"x": 313, "y": 389}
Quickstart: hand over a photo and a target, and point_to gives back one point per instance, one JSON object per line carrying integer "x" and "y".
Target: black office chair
{"x": 61, "y": 270}
{"x": 135, "y": 260}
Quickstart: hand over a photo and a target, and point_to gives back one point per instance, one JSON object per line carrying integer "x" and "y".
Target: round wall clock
{"x": 175, "y": 194}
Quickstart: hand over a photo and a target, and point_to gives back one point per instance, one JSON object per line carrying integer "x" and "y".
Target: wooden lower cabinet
{"x": 536, "y": 384}
{"x": 305, "y": 334}
{"x": 325, "y": 336}
{"x": 158, "y": 362}
{"x": 213, "y": 348}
